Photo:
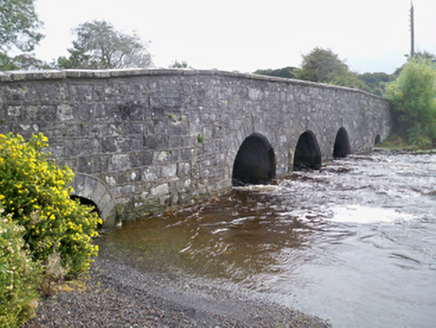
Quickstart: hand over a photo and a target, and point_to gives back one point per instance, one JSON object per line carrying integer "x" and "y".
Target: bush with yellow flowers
{"x": 34, "y": 192}
{"x": 18, "y": 276}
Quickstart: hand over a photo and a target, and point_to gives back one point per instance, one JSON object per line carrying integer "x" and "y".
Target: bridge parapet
{"x": 161, "y": 138}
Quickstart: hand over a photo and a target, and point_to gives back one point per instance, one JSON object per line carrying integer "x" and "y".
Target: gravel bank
{"x": 117, "y": 295}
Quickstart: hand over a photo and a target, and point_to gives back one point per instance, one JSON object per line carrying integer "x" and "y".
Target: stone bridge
{"x": 141, "y": 141}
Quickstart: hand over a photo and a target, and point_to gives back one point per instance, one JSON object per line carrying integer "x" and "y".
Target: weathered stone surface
{"x": 159, "y": 138}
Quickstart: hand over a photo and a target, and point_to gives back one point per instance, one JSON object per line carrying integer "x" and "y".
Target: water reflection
{"x": 231, "y": 237}
{"x": 354, "y": 242}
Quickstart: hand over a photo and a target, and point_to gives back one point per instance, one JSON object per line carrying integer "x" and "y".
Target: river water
{"x": 353, "y": 243}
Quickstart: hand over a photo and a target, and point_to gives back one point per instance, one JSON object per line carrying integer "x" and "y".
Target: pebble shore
{"x": 118, "y": 295}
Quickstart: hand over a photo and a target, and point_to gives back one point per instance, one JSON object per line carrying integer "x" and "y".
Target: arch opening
{"x": 377, "y": 140}
{"x": 93, "y": 191}
{"x": 307, "y": 152}
{"x": 255, "y": 162}
{"x": 342, "y": 144}
{"x": 89, "y": 203}
{"x": 86, "y": 202}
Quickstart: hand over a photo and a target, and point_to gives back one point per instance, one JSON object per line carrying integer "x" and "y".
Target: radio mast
{"x": 412, "y": 32}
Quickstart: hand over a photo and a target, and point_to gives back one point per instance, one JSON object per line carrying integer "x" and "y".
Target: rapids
{"x": 353, "y": 243}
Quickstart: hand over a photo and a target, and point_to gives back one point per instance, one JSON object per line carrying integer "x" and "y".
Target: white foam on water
{"x": 261, "y": 187}
{"x": 214, "y": 232}
{"x": 365, "y": 214}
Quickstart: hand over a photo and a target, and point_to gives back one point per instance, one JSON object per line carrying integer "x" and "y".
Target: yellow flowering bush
{"x": 34, "y": 192}
{"x": 18, "y": 276}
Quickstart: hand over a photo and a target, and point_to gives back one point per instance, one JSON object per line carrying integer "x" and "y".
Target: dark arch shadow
{"x": 307, "y": 152}
{"x": 342, "y": 144}
{"x": 377, "y": 140}
{"x": 94, "y": 190}
{"x": 255, "y": 162}
{"x": 88, "y": 202}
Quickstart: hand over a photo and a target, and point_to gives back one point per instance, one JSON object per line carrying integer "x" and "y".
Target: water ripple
{"x": 354, "y": 242}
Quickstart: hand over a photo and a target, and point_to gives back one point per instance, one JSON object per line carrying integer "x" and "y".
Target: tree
{"x": 413, "y": 101}
{"x": 375, "y": 83}
{"x": 286, "y": 72}
{"x": 324, "y": 66}
{"x": 18, "y": 25}
{"x": 18, "y": 30}
{"x": 99, "y": 46}
{"x": 426, "y": 55}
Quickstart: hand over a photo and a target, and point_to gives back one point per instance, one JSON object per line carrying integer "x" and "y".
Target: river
{"x": 353, "y": 243}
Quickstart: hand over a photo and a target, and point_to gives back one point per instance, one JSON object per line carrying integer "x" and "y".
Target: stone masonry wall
{"x": 141, "y": 141}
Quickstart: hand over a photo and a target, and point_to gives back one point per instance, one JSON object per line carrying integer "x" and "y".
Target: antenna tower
{"x": 412, "y": 32}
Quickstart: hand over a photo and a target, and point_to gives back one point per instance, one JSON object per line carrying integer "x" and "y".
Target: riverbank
{"x": 117, "y": 295}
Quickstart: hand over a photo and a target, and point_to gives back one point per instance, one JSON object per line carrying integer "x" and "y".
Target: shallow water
{"x": 353, "y": 243}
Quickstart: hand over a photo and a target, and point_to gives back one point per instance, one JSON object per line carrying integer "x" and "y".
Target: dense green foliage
{"x": 7, "y": 63}
{"x": 285, "y": 72}
{"x": 18, "y": 30}
{"x": 18, "y": 275}
{"x": 375, "y": 82}
{"x": 324, "y": 66}
{"x": 34, "y": 192}
{"x": 99, "y": 46}
{"x": 413, "y": 101}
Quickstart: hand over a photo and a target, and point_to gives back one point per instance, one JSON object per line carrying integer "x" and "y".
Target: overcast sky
{"x": 245, "y": 35}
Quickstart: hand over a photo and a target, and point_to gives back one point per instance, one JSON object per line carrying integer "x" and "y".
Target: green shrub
{"x": 412, "y": 96}
{"x": 420, "y": 138}
{"x": 18, "y": 276}
{"x": 34, "y": 192}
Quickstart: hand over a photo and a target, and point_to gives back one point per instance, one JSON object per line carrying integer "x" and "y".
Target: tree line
{"x": 324, "y": 66}
{"x": 98, "y": 45}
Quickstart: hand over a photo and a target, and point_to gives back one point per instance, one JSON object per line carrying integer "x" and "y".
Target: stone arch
{"x": 377, "y": 140}
{"x": 93, "y": 190}
{"x": 307, "y": 152}
{"x": 255, "y": 162}
{"x": 342, "y": 144}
